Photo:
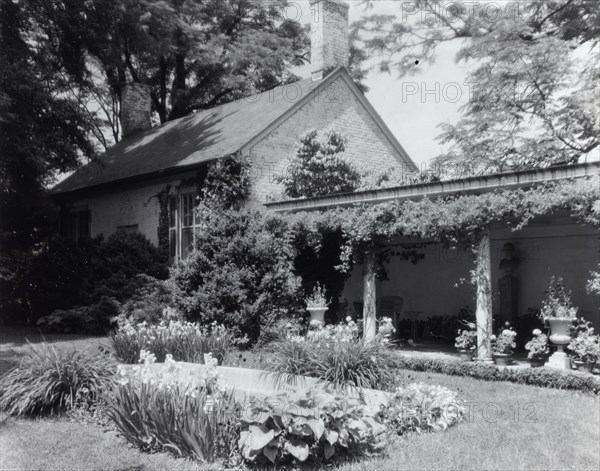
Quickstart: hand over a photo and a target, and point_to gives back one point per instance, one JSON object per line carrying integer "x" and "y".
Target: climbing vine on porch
{"x": 455, "y": 221}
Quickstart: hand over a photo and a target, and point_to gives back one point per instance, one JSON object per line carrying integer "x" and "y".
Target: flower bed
{"x": 192, "y": 410}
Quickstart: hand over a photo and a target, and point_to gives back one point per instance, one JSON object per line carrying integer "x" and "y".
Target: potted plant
{"x": 466, "y": 342}
{"x": 586, "y": 350}
{"x": 503, "y": 345}
{"x": 316, "y": 304}
{"x": 538, "y": 349}
{"x": 558, "y": 313}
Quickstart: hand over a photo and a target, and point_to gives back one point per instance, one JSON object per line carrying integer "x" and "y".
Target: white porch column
{"x": 369, "y": 297}
{"x": 483, "y": 313}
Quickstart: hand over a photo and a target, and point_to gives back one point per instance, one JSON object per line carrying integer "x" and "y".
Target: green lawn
{"x": 509, "y": 427}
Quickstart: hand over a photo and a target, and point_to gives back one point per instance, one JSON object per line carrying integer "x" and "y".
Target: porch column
{"x": 369, "y": 297}
{"x": 483, "y": 313}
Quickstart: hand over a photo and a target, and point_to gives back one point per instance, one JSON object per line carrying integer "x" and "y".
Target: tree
{"x": 533, "y": 102}
{"x": 319, "y": 167}
{"x": 193, "y": 55}
{"x": 42, "y": 132}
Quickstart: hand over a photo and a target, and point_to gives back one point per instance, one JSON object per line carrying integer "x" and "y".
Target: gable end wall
{"x": 335, "y": 107}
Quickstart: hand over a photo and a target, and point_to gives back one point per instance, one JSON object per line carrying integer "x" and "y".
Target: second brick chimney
{"x": 330, "y": 43}
{"x": 135, "y": 108}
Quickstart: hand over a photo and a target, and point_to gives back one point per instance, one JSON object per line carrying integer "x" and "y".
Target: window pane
{"x": 172, "y": 243}
{"x": 187, "y": 241}
{"x": 187, "y": 205}
{"x": 172, "y": 211}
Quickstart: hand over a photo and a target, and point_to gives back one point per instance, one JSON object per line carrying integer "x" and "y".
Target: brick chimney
{"x": 135, "y": 108}
{"x": 330, "y": 43}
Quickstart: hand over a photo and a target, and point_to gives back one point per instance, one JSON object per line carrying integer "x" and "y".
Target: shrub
{"x": 240, "y": 275}
{"x": 421, "y": 408}
{"x": 94, "y": 319}
{"x": 51, "y": 380}
{"x": 544, "y": 377}
{"x": 199, "y": 421}
{"x": 319, "y": 168}
{"x": 66, "y": 276}
{"x": 148, "y": 302}
{"x": 184, "y": 341}
{"x": 290, "y": 429}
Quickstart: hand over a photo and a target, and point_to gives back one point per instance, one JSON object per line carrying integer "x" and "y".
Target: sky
{"x": 414, "y": 106}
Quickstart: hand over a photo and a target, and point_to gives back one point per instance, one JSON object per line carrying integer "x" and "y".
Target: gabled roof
{"x": 185, "y": 143}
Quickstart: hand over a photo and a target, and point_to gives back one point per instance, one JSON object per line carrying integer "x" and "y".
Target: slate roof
{"x": 181, "y": 144}
{"x": 190, "y": 140}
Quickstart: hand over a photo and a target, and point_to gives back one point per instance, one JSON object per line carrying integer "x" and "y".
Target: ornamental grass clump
{"x": 198, "y": 420}
{"x": 51, "y": 380}
{"x": 184, "y": 341}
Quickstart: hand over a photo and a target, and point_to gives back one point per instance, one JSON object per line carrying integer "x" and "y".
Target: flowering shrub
{"x": 51, "y": 380}
{"x": 504, "y": 342}
{"x": 586, "y": 346}
{"x": 467, "y": 338}
{"x": 185, "y": 341}
{"x": 315, "y": 428}
{"x": 538, "y": 346}
{"x": 421, "y": 408}
{"x": 192, "y": 419}
{"x": 336, "y": 354}
{"x": 557, "y": 303}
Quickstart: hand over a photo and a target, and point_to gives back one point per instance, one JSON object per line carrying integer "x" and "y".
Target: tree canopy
{"x": 535, "y": 76}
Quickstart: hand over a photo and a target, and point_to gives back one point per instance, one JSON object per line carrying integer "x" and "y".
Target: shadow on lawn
{"x": 15, "y": 342}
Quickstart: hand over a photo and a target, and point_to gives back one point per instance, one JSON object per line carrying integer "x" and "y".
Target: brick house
{"x": 121, "y": 190}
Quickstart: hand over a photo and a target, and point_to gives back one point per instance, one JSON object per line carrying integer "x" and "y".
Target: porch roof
{"x": 478, "y": 184}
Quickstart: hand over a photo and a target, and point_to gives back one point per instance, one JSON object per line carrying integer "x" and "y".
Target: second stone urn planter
{"x": 317, "y": 314}
{"x": 560, "y": 336}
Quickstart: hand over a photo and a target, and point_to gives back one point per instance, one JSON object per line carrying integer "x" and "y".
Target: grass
{"x": 509, "y": 426}
{"x": 58, "y": 444}
{"x": 562, "y": 433}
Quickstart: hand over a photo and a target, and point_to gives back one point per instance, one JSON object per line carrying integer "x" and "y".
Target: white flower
{"x": 537, "y": 332}
{"x": 348, "y": 319}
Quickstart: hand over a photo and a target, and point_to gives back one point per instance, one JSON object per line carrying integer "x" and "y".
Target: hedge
{"x": 544, "y": 377}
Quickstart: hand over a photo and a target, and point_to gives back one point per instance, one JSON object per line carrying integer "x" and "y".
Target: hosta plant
{"x": 317, "y": 428}
{"x": 422, "y": 408}
{"x": 51, "y": 380}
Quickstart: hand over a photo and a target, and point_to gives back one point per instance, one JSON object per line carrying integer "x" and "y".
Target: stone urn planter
{"x": 538, "y": 363}
{"x": 560, "y": 336}
{"x": 502, "y": 359}
{"x": 317, "y": 314}
{"x": 466, "y": 355}
{"x": 584, "y": 367}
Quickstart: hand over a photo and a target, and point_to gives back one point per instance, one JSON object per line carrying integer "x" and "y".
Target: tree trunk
{"x": 369, "y": 297}
{"x": 483, "y": 280}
